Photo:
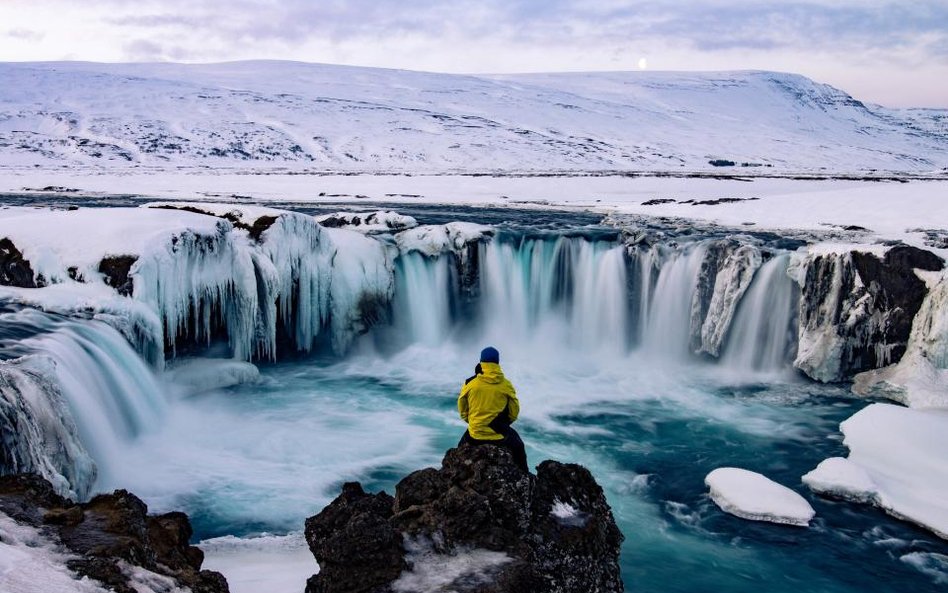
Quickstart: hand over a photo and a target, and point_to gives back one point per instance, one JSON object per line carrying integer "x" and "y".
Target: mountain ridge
{"x": 272, "y": 114}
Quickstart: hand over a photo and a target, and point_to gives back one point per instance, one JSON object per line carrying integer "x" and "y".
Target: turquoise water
{"x": 262, "y": 457}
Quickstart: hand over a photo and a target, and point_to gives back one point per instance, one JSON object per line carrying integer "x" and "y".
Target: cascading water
{"x": 570, "y": 290}
{"x": 762, "y": 336}
{"x": 111, "y": 393}
{"x": 667, "y": 322}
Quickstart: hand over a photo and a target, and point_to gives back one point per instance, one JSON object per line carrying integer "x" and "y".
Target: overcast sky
{"x": 893, "y": 53}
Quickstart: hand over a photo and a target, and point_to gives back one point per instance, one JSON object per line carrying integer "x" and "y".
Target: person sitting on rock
{"x": 489, "y": 405}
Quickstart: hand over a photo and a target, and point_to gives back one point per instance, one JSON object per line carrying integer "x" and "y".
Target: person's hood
{"x": 491, "y": 372}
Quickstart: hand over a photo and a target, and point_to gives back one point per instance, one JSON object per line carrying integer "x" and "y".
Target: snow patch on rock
{"x": 381, "y": 221}
{"x": 432, "y": 572}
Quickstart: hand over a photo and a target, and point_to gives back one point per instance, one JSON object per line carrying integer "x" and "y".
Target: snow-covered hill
{"x": 265, "y": 114}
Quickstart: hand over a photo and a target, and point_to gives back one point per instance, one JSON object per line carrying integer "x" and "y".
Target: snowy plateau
{"x": 274, "y": 115}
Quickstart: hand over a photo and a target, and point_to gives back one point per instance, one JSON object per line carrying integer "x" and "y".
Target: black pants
{"x": 511, "y": 441}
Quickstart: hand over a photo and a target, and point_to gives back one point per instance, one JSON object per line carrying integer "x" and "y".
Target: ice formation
{"x": 920, "y": 379}
{"x": 895, "y": 462}
{"x": 40, "y": 435}
{"x": 750, "y": 495}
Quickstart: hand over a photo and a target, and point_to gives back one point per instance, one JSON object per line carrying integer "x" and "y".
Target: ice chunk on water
{"x": 901, "y": 452}
{"x": 750, "y": 495}
{"x": 840, "y": 477}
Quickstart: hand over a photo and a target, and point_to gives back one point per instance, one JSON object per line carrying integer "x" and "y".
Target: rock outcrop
{"x": 478, "y": 524}
{"x": 111, "y": 539}
{"x": 858, "y": 308}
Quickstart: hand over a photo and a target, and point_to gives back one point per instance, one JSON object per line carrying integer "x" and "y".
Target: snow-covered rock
{"x": 752, "y": 496}
{"x": 731, "y": 281}
{"x": 32, "y": 563}
{"x": 381, "y": 221}
{"x": 896, "y": 462}
{"x": 858, "y": 306}
{"x": 920, "y": 379}
{"x": 433, "y": 240}
{"x": 841, "y": 478}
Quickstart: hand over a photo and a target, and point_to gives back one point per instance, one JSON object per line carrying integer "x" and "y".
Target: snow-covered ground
{"x": 888, "y": 209}
{"x": 297, "y": 115}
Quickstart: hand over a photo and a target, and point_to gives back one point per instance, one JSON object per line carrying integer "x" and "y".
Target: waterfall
{"x": 763, "y": 337}
{"x": 667, "y": 316}
{"x": 424, "y": 290}
{"x": 111, "y": 395}
{"x": 531, "y": 290}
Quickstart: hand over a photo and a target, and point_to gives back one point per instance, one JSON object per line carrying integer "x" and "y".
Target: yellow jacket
{"x": 483, "y": 398}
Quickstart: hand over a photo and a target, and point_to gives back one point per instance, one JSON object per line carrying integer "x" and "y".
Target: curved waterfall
{"x": 595, "y": 294}
{"x": 549, "y": 293}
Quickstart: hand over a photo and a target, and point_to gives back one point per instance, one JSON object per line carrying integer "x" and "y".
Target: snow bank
{"x": 30, "y": 563}
{"x": 896, "y": 462}
{"x": 55, "y": 240}
{"x": 750, "y": 495}
{"x": 381, "y": 221}
{"x": 206, "y": 374}
{"x": 272, "y": 563}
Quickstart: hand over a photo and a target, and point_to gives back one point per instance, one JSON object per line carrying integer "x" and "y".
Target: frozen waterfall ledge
{"x": 896, "y": 462}
{"x": 755, "y": 497}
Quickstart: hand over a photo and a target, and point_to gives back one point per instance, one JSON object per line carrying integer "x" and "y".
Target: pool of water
{"x": 262, "y": 457}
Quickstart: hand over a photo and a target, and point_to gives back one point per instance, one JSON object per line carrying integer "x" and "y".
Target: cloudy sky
{"x": 893, "y": 53}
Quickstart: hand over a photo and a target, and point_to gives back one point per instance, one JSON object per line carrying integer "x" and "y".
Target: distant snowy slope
{"x": 288, "y": 114}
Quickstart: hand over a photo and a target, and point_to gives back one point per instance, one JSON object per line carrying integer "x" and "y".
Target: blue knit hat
{"x": 490, "y": 354}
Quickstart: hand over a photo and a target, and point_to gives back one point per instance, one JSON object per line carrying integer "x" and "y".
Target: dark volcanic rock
{"x": 115, "y": 269}
{"x": 356, "y": 545}
{"x": 108, "y": 530}
{"x": 554, "y": 532}
{"x": 14, "y": 270}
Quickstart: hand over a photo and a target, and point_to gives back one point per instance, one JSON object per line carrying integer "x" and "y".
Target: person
{"x": 489, "y": 404}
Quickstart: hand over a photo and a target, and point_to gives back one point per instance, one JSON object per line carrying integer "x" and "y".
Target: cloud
{"x": 26, "y": 34}
{"x": 707, "y": 25}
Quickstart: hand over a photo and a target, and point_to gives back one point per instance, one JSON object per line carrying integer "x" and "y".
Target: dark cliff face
{"x": 108, "y": 529}
{"x": 868, "y": 302}
{"x": 553, "y": 532}
{"x": 14, "y": 270}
